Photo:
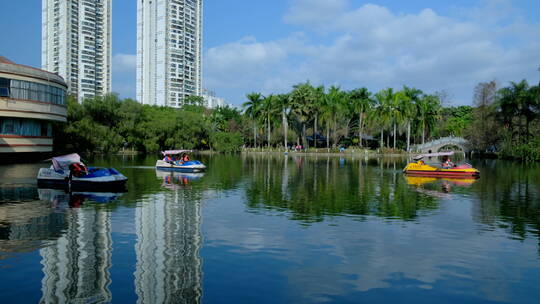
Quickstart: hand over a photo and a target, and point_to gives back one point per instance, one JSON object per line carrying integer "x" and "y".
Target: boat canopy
{"x": 174, "y": 152}
{"x": 419, "y": 157}
{"x": 63, "y": 162}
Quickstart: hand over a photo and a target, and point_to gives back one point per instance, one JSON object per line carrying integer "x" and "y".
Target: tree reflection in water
{"x": 313, "y": 188}
{"x": 506, "y": 196}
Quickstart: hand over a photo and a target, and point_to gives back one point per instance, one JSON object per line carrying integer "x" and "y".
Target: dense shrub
{"x": 226, "y": 142}
{"x": 527, "y": 152}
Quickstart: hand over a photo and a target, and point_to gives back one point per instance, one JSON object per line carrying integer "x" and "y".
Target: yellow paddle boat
{"x": 447, "y": 169}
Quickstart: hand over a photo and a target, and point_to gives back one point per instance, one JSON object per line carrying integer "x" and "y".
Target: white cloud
{"x": 123, "y": 72}
{"x": 122, "y": 63}
{"x": 315, "y": 12}
{"x": 375, "y": 47}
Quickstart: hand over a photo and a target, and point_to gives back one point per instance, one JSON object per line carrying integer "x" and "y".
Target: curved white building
{"x": 30, "y": 100}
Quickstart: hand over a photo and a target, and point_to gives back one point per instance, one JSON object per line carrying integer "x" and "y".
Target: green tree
{"x": 383, "y": 111}
{"x": 194, "y": 100}
{"x": 252, "y": 110}
{"x": 226, "y": 142}
{"x": 268, "y": 110}
{"x": 362, "y": 102}
{"x": 409, "y": 110}
{"x": 302, "y": 98}
{"x": 428, "y": 109}
{"x": 283, "y": 104}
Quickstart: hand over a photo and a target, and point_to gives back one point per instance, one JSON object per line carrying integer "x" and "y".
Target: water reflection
{"x": 25, "y": 222}
{"x": 177, "y": 180}
{"x": 168, "y": 224}
{"x": 284, "y": 228}
{"x": 76, "y": 267}
{"x": 76, "y": 199}
{"x": 315, "y": 187}
{"x": 438, "y": 187}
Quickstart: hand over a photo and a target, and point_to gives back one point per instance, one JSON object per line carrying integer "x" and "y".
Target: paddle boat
{"x": 447, "y": 169}
{"x": 68, "y": 172}
{"x": 178, "y": 160}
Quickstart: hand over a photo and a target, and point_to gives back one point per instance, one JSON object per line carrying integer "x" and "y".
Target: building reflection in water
{"x": 26, "y": 222}
{"x": 168, "y": 266}
{"x": 76, "y": 266}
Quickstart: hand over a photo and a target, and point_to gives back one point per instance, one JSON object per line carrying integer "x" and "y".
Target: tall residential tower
{"x": 76, "y": 44}
{"x": 169, "y": 42}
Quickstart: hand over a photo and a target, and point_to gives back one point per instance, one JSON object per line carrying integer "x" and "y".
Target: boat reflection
{"x": 61, "y": 198}
{"x": 177, "y": 180}
{"x": 437, "y": 186}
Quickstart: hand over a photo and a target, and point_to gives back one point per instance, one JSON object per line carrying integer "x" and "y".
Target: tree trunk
{"x": 269, "y": 131}
{"x": 423, "y": 132}
{"x": 254, "y": 135}
{"x": 408, "y": 136}
{"x": 394, "y": 135}
{"x": 285, "y": 129}
{"x": 382, "y": 138}
{"x": 304, "y": 135}
{"x": 360, "y": 129}
{"x": 315, "y": 132}
{"x": 327, "y": 136}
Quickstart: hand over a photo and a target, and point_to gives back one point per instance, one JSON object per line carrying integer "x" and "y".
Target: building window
{"x": 25, "y": 90}
{"x": 4, "y": 87}
{"x": 25, "y": 127}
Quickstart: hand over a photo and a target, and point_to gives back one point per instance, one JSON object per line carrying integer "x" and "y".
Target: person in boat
{"x": 185, "y": 158}
{"x": 77, "y": 170}
{"x": 168, "y": 159}
{"x": 448, "y": 164}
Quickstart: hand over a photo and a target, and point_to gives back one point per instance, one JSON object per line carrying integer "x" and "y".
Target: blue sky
{"x": 268, "y": 46}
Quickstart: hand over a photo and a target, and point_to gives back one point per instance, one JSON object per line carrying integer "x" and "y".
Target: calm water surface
{"x": 274, "y": 229}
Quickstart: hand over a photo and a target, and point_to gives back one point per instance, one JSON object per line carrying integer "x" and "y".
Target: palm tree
{"x": 518, "y": 100}
{"x": 507, "y": 107}
{"x": 326, "y": 116}
{"x": 408, "y": 109}
{"x": 335, "y": 103}
{"x": 382, "y": 110}
{"x": 428, "y": 108}
{"x": 252, "y": 110}
{"x": 302, "y": 98}
{"x": 395, "y": 111}
{"x": 361, "y": 102}
{"x": 268, "y": 110}
{"x": 282, "y": 105}
{"x": 316, "y": 109}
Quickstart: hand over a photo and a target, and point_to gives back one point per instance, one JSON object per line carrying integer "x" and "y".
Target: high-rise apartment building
{"x": 76, "y": 44}
{"x": 169, "y": 42}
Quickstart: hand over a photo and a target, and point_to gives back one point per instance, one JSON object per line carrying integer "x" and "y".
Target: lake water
{"x": 274, "y": 229}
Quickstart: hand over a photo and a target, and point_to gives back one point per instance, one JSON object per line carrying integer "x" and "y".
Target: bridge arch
{"x": 436, "y": 145}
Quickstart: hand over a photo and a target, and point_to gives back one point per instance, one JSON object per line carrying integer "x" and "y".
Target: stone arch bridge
{"x": 436, "y": 145}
